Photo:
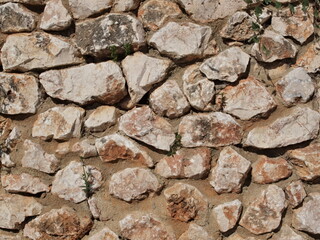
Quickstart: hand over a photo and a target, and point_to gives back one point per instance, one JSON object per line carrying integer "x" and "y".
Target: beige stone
{"x": 195, "y": 232}
{"x": 295, "y": 193}
{"x": 82, "y": 8}
{"x": 125, "y": 5}
{"x": 101, "y": 118}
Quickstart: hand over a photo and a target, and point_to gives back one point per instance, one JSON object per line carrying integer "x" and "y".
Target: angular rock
{"x": 237, "y": 236}
{"x": 6, "y": 161}
{"x": 14, "y": 17}
{"x": 295, "y": 193}
{"x": 213, "y": 129}
{"x": 144, "y": 125}
{"x": 23, "y": 183}
{"x": 104, "y": 234}
{"x": 63, "y": 148}
{"x": 195, "y": 232}
{"x": 227, "y": 214}
{"x": 117, "y": 147}
{"x": 185, "y": 202}
{"x": 310, "y": 59}
{"x": 13, "y": 138}
{"x": 29, "y": 2}
{"x": 10, "y": 237}
{"x": 19, "y": 93}
{"x": 85, "y": 148}
{"x": 38, "y": 50}
{"x": 125, "y": 5}
{"x": 96, "y": 36}
{"x": 248, "y": 99}
{"x": 55, "y": 16}
{"x": 296, "y": 87}
{"x": 168, "y": 100}
{"x": 94, "y": 209}
{"x": 60, "y": 123}
{"x": 230, "y": 172}
{"x": 101, "y": 118}
{"x": 14, "y": 209}
{"x": 286, "y": 233}
{"x": 63, "y": 223}
{"x": 68, "y": 182}
{"x": 82, "y": 9}
{"x": 133, "y": 184}
{"x": 294, "y": 126}
{"x": 265, "y": 212}
{"x": 227, "y": 66}
{"x": 35, "y": 157}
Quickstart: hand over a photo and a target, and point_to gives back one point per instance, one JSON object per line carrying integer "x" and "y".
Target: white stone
{"x": 93, "y": 206}
{"x": 104, "y": 234}
{"x": 83, "y": 8}
{"x": 85, "y": 148}
{"x": 6, "y": 160}
{"x": 101, "y": 118}
{"x": 125, "y": 5}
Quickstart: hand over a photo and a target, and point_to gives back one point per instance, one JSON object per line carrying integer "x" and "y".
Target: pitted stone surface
{"x": 101, "y": 118}
{"x": 295, "y": 193}
{"x": 195, "y": 232}
{"x": 82, "y": 9}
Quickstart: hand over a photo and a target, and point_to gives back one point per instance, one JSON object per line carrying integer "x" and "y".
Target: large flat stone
{"x": 82, "y": 9}
{"x": 195, "y": 232}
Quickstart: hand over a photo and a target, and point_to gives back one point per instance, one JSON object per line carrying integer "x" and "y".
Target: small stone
{"x": 23, "y": 183}
{"x": 125, "y": 5}
{"x": 6, "y": 160}
{"x": 227, "y": 66}
{"x": 85, "y": 149}
{"x": 133, "y": 184}
{"x": 286, "y": 233}
{"x": 185, "y": 202}
{"x": 14, "y": 17}
{"x": 104, "y": 234}
{"x": 14, "y": 209}
{"x": 82, "y": 9}
{"x": 117, "y": 147}
{"x": 63, "y": 148}
{"x": 168, "y": 100}
{"x": 306, "y": 218}
{"x": 195, "y": 232}
{"x": 68, "y": 182}
{"x": 101, "y": 118}
{"x": 295, "y": 193}
{"x": 293, "y": 126}
{"x": 93, "y": 206}
{"x": 269, "y": 170}
{"x": 35, "y": 157}
{"x": 186, "y": 163}
{"x": 63, "y": 223}
{"x": 29, "y": 2}
{"x": 310, "y": 59}
{"x": 13, "y": 138}
{"x": 264, "y": 214}
{"x": 230, "y": 172}
{"x": 296, "y": 87}
{"x": 60, "y": 123}
{"x": 139, "y": 226}
{"x": 19, "y": 93}
{"x": 213, "y": 129}
{"x": 55, "y": 16}
{"x": 144, "y": 125}
{"x": 227, "y": 214}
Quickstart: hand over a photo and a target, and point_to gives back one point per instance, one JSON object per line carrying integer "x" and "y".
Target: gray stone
{"x": 82, "y": 8}
{"x": 195, "y": 232}
{"x": 29, "y": 2}
{"x": 125, "y": 5}
{"x": 101, "y": 118}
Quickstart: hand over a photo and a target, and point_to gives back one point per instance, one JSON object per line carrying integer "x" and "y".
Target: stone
{"x": 296, "y": 125}
{"x": 117, "y": 147}
{"x": 168, "y": 100}
{"x": 295, "y": 193}
{"x": 93, "y": 206}
{"x": 60, "y": 123}
{"x": 170, "y": 40}
{"x": 248, "y": 99}
{"x": 13, "y": 138}
{"x": 29, "y": 2}
{"x": 272, "y": 46}
{"x": 287, "y": 233}
{"x": 144, "y": 125}
{"x": 19, "y": 94}
{"x": 195, "y": 232}
{"x": 306, "y": 161}
{"x": 296, "y": 87}
{"x": 101, "y": 118}
{"x": 23, "y": 183}
{"x": 55, "y": 16}
{"x": 68, "y": 182}
{"x": 133, "y": 184}
{"x": 269, "y": 170}
{"x": 155, "y": 13}
{"x": 227, "y": 66}
{"x": 37, "y": 51}
{"x": 310, "y": 58}
{"x": 141, "y": 226}
{"x": 227, "y": 214}
{"x": 298, "y": 25}
{"x": 85, "y": 148}
{"x": 264, "y": 214}
{"x": 6, "y": 160}
{"x": 306, "y": 218}
{"x": 237, "y": 236}
{"x": 125, "y": 5}
{"x": 186, "y": 163}
{"x": 63, "y": 223}
{"x": 82, "y": 9}
{"x": 96, "y": 36}
{"x": 63, "y": 148}
{"x": 199, "y": 90}
{"x": 214, "y": 129}
{"x": 106, "y": 83}
{"x": 14, "y": 209}
{"x": 14, "y": 17}
{"x": 185, "y": 202}
{"x": 104, "y": 234}
{"x": 35, "y": 157}
{"x": 142, "y": 72}
{"x": 230, "y": 172}
{"x": 10, "y": 237}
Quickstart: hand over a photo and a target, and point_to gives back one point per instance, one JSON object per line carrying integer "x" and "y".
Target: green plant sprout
{"x": 87, "y": 179}
{"x": 175, "y": 146}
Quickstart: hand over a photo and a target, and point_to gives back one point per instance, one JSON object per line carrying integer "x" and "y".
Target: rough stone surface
{"x": 287, "y": 233}
{"x": 125, "y": 5}
{"x": 6, "y": 160}
{"x": 310, "y": 59}
{"x": 101, "y": 118}
{"x": 63, "y": 148}
{"x": 85, "y": 148}
{"x": 295, "y": 193}
{"x": 104, "y": 234}
{"x": 195, "y": 232}
{"x": 230, "y": 171}
{"x": 82, "y": 9}
{"x": 237, "y": 236}
{"x": 94, "y": 209}
{"x": 144, "y": 125}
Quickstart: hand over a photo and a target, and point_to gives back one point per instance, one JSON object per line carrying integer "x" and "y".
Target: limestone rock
{"x": 6, "y": 161}
{"x": 82, "y": 8}
{"x": 63, "y": 148}
{"x": 265, "y": 212}
{"x": 286, "y": 233}
{"x": 116, "y": 147}
{"x": 310, "y": 59}
{"x": 85, "y": 148}
{"x": 93, "y": 206}
{"x": 13, "y": 138}
{"x": 227, "y": 66}
{"x": 295, "y": 193}
{"x": 101, "y": 118}
{"x": 68, "y": 182}
{"x": 38, "y": 50}
{"x": 104, "y": 234}
{"x": 237, "y": 236}
{"x": 61, "y": 123}
{"x": 144, "y": 125}
{"x": 19, "y": 93}
{"x": 133, "y": 184}
{"x": 230, "y": 172}
{"x": 125, "y": 5}
{"x": 29, "y": 2}
{"x": 195, "y": 232}
{"x": 294, "y": 126}
{"x": 213, "y": 129}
